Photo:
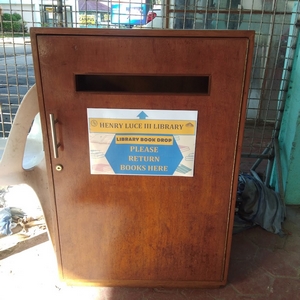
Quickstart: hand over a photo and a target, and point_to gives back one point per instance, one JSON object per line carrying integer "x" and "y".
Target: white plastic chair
{"x": 22, "y": 159}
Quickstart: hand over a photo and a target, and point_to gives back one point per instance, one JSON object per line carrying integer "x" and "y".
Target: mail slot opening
{"x": 142, "y": 84}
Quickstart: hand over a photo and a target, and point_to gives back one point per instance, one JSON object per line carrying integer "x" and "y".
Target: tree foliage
{"x": 13, "y": 23}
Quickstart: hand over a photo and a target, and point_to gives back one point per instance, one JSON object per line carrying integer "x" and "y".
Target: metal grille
{"x": 274, "y": 21}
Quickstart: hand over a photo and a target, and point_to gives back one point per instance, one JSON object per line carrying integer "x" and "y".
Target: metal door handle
{"x": 55, "y": 145}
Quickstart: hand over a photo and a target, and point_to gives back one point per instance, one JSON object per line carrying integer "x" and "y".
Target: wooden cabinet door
{"x": 141, "y": 230}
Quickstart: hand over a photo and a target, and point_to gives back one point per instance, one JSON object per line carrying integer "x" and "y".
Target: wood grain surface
{"x": 144, "y": 230}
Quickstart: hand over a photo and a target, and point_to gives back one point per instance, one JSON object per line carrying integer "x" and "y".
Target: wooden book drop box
{"x": 142, "y": 134}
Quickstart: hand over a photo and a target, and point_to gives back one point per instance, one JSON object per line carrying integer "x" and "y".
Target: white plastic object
{"x": 22, "y": 156}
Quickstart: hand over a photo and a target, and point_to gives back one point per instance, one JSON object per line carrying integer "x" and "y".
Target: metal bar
{"x": 256, "y": 155}
{"x": 268, "y": 57}
{"x": 279, "y": 170}
{"x": 2, "y": 121}
{"x": 259, "y": 160}
{"x": 226, "y": 11}
{"x": 269, "y": 169}
{"x": 55, "y": 145}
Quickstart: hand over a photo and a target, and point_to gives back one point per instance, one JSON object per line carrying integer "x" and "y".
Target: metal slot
{"x": 143, "y": 84}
